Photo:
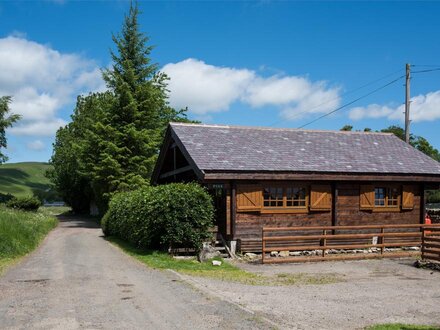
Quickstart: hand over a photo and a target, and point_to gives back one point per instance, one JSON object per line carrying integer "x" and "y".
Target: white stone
{"x": 274, "y": 253}
{"x": 216, "y": 263}
{"x": 284, "y": 254}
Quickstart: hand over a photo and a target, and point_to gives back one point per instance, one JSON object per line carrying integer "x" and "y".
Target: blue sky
{"x": 266, "y": 63}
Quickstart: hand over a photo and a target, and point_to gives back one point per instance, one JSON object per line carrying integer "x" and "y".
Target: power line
{"x": 426, "y": 65}
{"x": 351, "y": 102}
{"x": 428, "y": 70}
{"x": 344, "y": 94}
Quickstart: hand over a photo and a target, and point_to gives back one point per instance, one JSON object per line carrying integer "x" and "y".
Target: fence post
{"x": 324, "y": 242}
{"x": 423, "y": 242}
{"x": 263, "y": 246}
{"x": 382, "y": 240}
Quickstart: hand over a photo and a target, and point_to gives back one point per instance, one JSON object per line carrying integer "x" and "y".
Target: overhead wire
{"x": 351, "y": 102}
{"x": 344, "y": 94}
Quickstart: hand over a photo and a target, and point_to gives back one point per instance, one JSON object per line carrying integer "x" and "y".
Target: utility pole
{"x": 407, "y": 101}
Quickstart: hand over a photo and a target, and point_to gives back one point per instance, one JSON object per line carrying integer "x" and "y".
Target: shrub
{"x": 30, "y": 203}
{"x": 4, "y": 198}
{"x": 170, "y": 215}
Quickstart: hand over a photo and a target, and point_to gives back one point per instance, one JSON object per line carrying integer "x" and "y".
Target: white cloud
{"x": 423, "y": 108}
{"x": 206, "y": 89}
{"x": 38, "y": 128}
{"x": 36, "y": 145}
{"x": 42, "y": 81}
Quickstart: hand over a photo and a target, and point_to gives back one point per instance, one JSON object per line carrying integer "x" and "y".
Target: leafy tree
{"x": 114, "y": 138}
{"x": 129, "y": 136}
{"x": 347, "y": 128}
{"x": 72, "y": 151}
{"x": 5, "y": 122}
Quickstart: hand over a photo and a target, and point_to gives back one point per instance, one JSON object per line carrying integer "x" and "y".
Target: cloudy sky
{"x": 279, "y": 64}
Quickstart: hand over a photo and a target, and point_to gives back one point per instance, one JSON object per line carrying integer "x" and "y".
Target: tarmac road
{"x": 78, "y": 280}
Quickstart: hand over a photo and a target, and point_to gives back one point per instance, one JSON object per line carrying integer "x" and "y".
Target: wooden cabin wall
{"x": 248, "y": 225}
{"x": 349, "y": 214}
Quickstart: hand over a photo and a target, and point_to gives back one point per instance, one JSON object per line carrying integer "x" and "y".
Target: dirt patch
{"x": 371, "y": 292}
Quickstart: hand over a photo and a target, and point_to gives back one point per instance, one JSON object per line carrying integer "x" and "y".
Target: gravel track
{"x": 370, "y": 292}
{"x": 77, "y": 280}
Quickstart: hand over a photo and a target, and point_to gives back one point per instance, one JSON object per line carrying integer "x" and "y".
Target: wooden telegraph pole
{"x": 407, "y": 101}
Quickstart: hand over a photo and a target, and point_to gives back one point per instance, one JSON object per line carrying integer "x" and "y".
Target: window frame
{"x": 284, "y": 208}
{"x": 387, "y": 207}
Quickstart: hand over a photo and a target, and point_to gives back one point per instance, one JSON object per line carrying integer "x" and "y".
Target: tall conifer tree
{"x": 129, "y": 137}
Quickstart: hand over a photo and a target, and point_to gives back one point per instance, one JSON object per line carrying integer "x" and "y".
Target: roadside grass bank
{"x": 225, "y": 272}
{"x": 54, "y": 210}
{"x": 401, "y": 326}
{"x": 21, "y": 232}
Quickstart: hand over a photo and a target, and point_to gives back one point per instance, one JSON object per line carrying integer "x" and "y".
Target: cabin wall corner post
{"x": 233, "y": 208}
{"x": 334, "y": 204}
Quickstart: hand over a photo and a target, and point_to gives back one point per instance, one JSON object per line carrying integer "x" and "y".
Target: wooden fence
{"x": 346, "y": 242}
{"x": 431, "y": 244}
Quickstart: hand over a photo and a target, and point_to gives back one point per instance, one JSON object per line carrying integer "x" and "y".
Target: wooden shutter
{"x": 366, "y": 197}
{"x": 249, "y": 198}
{"x": 407, "y": 198}
{"x": 320, "y": 198}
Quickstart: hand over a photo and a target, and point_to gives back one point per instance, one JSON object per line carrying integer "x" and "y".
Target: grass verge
{"x": 20, "y": 233}
{"x": 225, "y": 272}
{"x": 400, "y": 326}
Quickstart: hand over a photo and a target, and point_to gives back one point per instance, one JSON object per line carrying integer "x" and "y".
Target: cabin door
{"x": 218, "y": 194}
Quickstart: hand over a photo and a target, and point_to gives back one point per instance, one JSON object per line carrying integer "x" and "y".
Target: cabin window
{"x": 386, "y": 197}
{"x": 285, "y": 197}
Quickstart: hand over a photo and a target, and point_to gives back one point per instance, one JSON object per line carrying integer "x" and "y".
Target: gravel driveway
{"x": 78, "y": 280}
{"x": 370, "y": 292}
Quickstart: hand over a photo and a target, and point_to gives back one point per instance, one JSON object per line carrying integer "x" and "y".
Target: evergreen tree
{"x": 114, "y": 138}
{"x": 5, "y": 122}
{"x": 129, "y": 137}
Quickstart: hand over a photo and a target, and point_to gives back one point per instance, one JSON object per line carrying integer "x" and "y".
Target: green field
{"x": 22, "y": 179}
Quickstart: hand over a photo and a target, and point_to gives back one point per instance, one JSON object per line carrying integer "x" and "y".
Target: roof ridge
{"x": 276, "y": 128}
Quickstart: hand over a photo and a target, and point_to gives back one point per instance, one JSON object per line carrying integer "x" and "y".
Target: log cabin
{"x": 293, "y": 177}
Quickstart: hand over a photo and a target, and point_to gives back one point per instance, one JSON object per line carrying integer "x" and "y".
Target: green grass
{"x": 54, "y": 210}
{"x": 400, "y": 326}
{"x": 225, "y": 272}
{"x": 21, "y": 232}
{"x": 23, "y": 179}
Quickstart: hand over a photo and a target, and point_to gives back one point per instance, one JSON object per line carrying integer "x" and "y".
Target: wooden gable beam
{"x": 176, "y": 171}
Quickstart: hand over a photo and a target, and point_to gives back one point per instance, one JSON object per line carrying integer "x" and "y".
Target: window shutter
{"x": 249, "y": 198}
{"x": 407, "y": 198}
{"x": 320, "y": 198}
{"x": 367, "y": 197}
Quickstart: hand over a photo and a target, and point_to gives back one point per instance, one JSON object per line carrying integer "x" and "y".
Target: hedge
{"x": 29, "y": 203}
{"x": 163, "y": 216}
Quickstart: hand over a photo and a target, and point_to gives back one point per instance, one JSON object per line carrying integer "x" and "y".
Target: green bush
{"x": 4, "y": 198}
{"x": 165, "y": 216}
{"x": 29, "y": 203}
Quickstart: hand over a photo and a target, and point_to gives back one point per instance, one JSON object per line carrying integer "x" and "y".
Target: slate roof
{"x": 234, "y": 148}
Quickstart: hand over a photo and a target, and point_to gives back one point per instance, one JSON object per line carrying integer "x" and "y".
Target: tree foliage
{"x": 5, "y": 122}
{"x": 113, "y": 140}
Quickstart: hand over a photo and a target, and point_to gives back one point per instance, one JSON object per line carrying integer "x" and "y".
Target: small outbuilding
{"x": 293, "y": 177}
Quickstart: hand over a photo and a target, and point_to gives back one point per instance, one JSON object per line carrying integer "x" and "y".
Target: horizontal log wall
{"x": 249, "y": 224}
{"x": 349, "y": 213}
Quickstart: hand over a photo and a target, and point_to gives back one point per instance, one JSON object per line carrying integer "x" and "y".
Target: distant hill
{"x": 22, "y": 179}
